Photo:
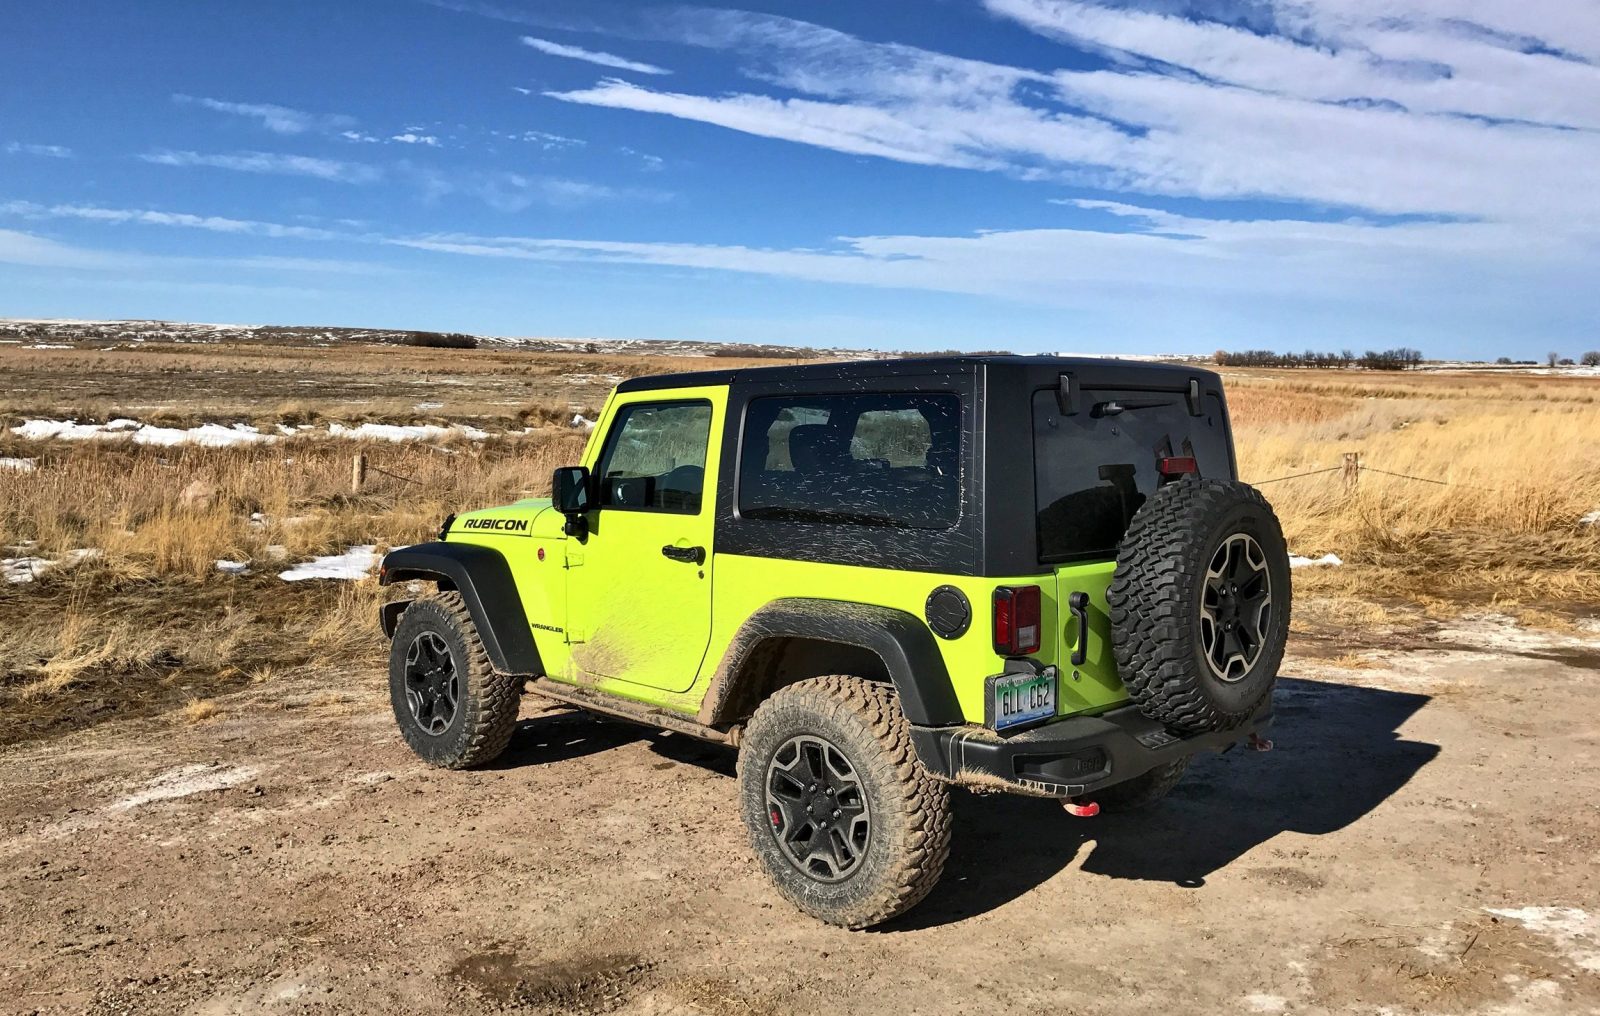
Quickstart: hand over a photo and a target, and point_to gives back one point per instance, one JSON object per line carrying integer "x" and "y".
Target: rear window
{"x": 887, "y": 459}
{"x": 1094, "y": 468}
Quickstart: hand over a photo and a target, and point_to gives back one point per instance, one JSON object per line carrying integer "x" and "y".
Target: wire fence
{"x": 1353, "y": 467}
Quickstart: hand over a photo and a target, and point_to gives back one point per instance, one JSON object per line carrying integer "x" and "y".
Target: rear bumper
{"x": 1070, "y": 757}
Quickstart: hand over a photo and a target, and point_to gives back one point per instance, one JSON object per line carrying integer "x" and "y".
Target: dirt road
{"x": 1425, "y": 838}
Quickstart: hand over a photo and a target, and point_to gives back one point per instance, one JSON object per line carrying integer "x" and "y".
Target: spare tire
{"x": 1200, "y": 604}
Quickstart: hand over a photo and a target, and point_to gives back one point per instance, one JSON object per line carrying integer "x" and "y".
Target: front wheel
{"x": 842, "y": 815}
{"x": 454, "y": 710}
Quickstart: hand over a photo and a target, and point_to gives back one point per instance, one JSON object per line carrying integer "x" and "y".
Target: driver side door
{"x": 640, "y": 583}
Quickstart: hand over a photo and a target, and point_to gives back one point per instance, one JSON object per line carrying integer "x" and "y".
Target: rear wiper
{"x": 1113, "y": 408}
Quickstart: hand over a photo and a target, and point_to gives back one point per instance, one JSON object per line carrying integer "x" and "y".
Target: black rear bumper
{"x": 1070, "y": 757}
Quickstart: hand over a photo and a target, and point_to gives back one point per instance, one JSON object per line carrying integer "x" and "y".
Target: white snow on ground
{"x": 27, "y": 466}
{"x": 49, "y": 345}
{"x": 1326, "y": 560}
{"x": 233, "y": 567}
{"x": 582, "y": 422}
{"x": 183, "y": 781}
{"x": 354, "y": 563}
{"x": 395, "y": 432}
{"x": 216, "y": 435}
{"x": 26, "y": 569}
{"x": 22, "y": 569}
{"x": 1575, "y": 932}
{"x": 212, "y": 435}
{"x": 1591, "y": 519}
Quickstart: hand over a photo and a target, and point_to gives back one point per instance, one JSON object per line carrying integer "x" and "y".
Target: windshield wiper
{"x": 1113, "y": 407}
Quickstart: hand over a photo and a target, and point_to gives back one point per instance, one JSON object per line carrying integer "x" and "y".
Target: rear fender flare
{"x": 483, "y": 578}
{"x": 901, "y": 640}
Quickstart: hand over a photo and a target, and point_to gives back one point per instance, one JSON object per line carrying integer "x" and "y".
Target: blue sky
{"x": 1028, "y": 174}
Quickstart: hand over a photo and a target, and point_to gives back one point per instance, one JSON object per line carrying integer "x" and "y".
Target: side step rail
{"x": 633, "y": 712}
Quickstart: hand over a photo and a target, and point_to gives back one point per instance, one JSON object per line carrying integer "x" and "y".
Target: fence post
{"x": 358, "y": 472}
{"x": 1351, "y": 471}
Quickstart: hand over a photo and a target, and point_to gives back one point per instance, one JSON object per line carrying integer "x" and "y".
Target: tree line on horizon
{"x": 1402, "y": 358}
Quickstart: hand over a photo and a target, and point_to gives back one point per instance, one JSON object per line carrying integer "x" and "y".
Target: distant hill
{"x": 44, "y": 331}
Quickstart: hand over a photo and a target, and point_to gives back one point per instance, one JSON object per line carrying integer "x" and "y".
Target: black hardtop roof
{"x": 1089, "y": 366}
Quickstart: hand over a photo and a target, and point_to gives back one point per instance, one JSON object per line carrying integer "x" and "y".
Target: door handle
{"x": 688, "y": 555}
{"x": 1078, "y": 603}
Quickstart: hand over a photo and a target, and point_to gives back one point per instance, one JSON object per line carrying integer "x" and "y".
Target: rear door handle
{"x": 688, "y": 555}
{"x": 1078, "y": 603}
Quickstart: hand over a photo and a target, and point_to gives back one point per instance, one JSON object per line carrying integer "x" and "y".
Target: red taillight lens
{"x": 1181, "y": 465}
{"x": 1016, "y": 620}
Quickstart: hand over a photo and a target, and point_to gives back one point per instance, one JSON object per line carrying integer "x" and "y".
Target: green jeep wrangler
{"x": 875, "y": 580}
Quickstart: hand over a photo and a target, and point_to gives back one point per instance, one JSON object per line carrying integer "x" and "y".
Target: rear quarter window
{"x": 886, "y": 460}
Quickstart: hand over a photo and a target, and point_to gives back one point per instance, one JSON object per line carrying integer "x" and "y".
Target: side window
{"x": 886, "y": 459}
{"x": 655, "y": 457}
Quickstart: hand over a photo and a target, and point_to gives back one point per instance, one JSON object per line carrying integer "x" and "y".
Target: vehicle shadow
{"x": 1338, "y": 755}
{"x": 561, "y": 735}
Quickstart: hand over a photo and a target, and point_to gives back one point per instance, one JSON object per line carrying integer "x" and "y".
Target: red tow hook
{"x": 1086, "y": 809}
{"x": 1259, "y": 743}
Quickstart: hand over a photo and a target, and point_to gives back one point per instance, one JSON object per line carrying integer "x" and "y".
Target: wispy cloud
{"x": 271, "y": 163}
{"x": 1214, "y": 275}
{"x": 592, "y": 56}
{"x": 44, "y": 151}
{"x": 1417, "y": 115}
{"x": 409, "y": 138}
{"x": 150, "y": 217}
{"x": 278, "y": 119}
{"x": 510, "y": 191}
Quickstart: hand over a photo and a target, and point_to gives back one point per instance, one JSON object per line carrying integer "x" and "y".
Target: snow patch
{"x": 582, "y": 422}
{"x": 1266, "y": 1003}
{"x": 396, "y": 432}
{"x": 1591, "y": 519}
{"x": 211, "y": 435}
{"x": 354, "y": 563}
{"x": 185, "y": 781}
{"x": 26, "y": 569}
{"x": 1326, "y": 560}
{"x": 28, "y": 465}
{"x": 233, "y": 567}
{"x": 1575, "y": 932}
{"x": 216, "y": 435}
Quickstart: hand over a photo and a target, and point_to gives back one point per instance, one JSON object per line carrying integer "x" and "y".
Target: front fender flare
{"x": 900, "y": 639}
{"x": 483, "y": 578}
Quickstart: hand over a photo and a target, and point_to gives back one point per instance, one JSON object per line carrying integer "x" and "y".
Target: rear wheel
{"x": 453, "y": 709}
{"x": 842, "y": 815}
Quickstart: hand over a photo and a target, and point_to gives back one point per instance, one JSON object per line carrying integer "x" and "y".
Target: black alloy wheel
{"x": 819, "y": 814}
{"x": 433, "y": 690}
{"x": 1236, "y": 607}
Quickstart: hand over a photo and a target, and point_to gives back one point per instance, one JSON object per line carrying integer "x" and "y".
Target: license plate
{"x": 1017, "y": 699}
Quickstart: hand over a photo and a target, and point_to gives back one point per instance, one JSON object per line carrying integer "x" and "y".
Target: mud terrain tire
{"x": 1177, "y": 632}
{"x": 907, "y": 836}
{"x": 453, "y": 709}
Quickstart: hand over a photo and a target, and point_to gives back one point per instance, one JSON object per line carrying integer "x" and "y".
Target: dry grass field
{"x": 136, "y": 615}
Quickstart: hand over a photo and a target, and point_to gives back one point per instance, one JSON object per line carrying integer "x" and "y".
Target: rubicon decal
{"x": 498, "y": 525}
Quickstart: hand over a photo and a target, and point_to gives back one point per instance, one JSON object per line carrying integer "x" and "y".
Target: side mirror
{"x": 570, "y": 493}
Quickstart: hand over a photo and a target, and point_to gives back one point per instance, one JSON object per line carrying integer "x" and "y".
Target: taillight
{"x": 1016, "y": 620}
{"x": 1177, "y": 465}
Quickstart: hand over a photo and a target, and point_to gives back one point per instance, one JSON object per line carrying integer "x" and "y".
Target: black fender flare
{"x": 900, "y": 639}
{"x": 483, "y": 578}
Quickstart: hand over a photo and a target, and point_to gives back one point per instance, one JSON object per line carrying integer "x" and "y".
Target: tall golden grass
{"x": 1512, "y": 465}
